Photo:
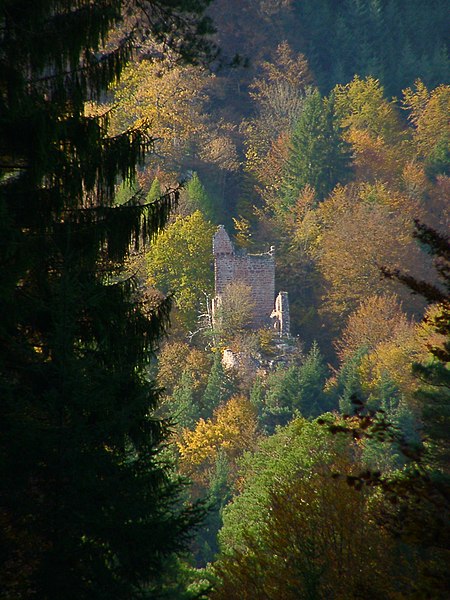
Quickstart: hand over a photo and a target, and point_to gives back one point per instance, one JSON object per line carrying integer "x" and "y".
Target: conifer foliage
{"x": 88, "y": 509}
{"x": 318, "y": 155}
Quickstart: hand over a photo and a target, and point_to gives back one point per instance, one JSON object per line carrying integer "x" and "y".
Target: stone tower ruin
{"x": 257, "y": 271}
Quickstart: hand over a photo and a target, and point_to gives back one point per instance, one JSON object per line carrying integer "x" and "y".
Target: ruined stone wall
{"x": 280, "y": 315}
{"x": 255, "y": 270}
{"x": 258, "y": 272}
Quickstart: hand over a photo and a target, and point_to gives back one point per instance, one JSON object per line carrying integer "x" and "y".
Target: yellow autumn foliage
{"x": 395, "y": 358}
{"x": 232, "y": 430}
{"x": 374, "y": 159}
{"x": 429, "y": 114}
{"x": 361, "y": 106}
{"x": 377, "y": 319}
{"x": 166, "y": 95}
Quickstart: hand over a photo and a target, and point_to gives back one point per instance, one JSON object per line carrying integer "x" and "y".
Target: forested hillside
{"x": 330, "y": 141}
{"x": 313, "y": 466}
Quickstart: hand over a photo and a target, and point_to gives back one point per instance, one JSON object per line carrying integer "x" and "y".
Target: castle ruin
{"x": 257, "y": 271}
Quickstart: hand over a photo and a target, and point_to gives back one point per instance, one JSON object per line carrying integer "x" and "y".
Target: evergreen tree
{"x": 257, "y": 393}
{"x": 403, "y": 417}
{"x": 218, "y": 388}
{"x": 349, "y": 382}
{"x": 392, "y": 40}
{"x": 435, "y": 393}
{"x": 183, "y": 407}
{"x": 219, "y": 495}
{"x": 198, "y": 198}
{"x": 386, "y": 395}
{"x": 318, "y": 155}
{"x": 280, "y": 398}
{"x": 438, "y": 162}
{"x": 125, "y": 192}
{"x": 311, "y": 380}
{"x": 154, "y": 193}
{"x": 89, "y": 510}
{"x": 422, "y": 496}
{"x": 417, "y": 508}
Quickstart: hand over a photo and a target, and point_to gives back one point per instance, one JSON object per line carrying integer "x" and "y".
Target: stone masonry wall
{"x": 255, "y": 270}
{"x": 280, "y": 315}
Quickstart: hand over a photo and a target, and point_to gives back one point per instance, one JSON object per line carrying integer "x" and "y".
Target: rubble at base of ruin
{"x": 280, "y": 352}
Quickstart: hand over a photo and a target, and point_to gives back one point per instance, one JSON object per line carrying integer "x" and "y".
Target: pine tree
{"x": 417, "y": 505}
{"x": 219, "y": 495}
{"x": 88, "y": 509}
{"x": 218, "y": 388}
{"x": 318, "y": 155}
{"x": 183, "y": 408}
{"x": 435, "y": 393}
{"x": 421, "y": 509}
{"x": 349, "y": 382}
{"x": 198, "y": 198}
{"x": 280, "y": 398}
{"x": 154, "y": 193}
{"x": 311, "y": 380}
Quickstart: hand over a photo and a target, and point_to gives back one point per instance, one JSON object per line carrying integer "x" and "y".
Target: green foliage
{"x": 218, "y": 388}
{"x": 257, "y": 393}
{"x": 386, "y": 395}
{"x": 125, "y": 192}
{"x": 182, "y": 406}
{"x": 438, "y": 161}
{"x": 199, "y": 199}
{"x": 318, "y": 155}
{"x": 435, "y": 373}
{"x": 423, "y": 494}
{"x": 395, "y": 42}
{"x": 179, "y": 261}
{"x": 298, "y": 530}
{"x": 289, "y": 390}
{"x": 348, "y": 384}
{"x": 292, "y": 449}
{"x": 277, "y": 405}
{"x": 415, "y": 499}
{"x": 435, "y": 397}
{"x": 154, "y": 193}
{"x": 219, "y": 494}
{"x": 311, "y": 400}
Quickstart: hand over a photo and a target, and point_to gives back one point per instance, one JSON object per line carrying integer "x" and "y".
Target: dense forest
{"x": 136, "y": 461}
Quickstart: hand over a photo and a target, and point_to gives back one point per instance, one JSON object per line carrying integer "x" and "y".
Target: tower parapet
{"x": 222, "y": 243}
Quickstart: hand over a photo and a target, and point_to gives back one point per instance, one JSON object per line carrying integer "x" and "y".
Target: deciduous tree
{"x": 180, "y": 262}
{"x": 232, "y": 430}
{"x": 360, "y": 232}
{"x": 361, "y": 105}
{"x": 168, "y": 95}
{"x": 278, "y": 96}
{"x": 428, "y": 112}
{"x": 234, "y": 313}
{"x": 377, "y": 319}
{"x": 295, "y": 531}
